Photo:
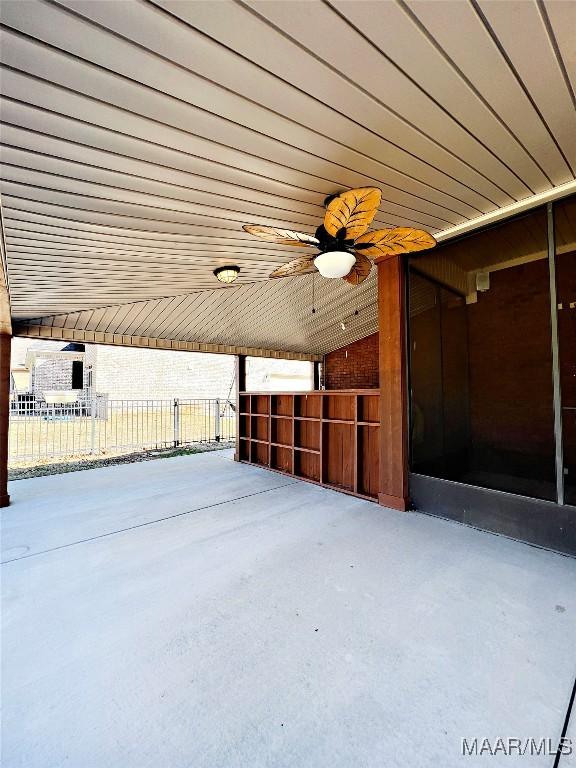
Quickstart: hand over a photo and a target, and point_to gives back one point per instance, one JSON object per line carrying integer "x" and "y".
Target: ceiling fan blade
{"x": 301, "y": 266}
{"x": 353, "y": 211}
{"x": 359, "y": 271}
{"x": 380, "y": 242}
{"x": 281, "y": 236}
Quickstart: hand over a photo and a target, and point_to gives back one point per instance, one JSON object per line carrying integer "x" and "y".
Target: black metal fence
{"x": 41, "y": 430}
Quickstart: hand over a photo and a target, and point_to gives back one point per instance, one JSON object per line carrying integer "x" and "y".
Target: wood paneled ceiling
{"x": 138, "y": 136}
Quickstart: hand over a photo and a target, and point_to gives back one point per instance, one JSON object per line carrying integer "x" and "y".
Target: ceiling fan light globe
{"x": 227, "y": 274}
{"x": 334, "y": 263}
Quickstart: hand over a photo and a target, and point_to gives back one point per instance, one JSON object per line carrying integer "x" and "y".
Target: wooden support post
{"x": 240, "y": 387}
{"x": 393, "y": 481}
{"x": 5, "y": 340}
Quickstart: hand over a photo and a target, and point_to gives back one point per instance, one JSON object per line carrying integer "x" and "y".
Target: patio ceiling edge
{"x": 507, "y": 211}
{"x": 147, "y": 342}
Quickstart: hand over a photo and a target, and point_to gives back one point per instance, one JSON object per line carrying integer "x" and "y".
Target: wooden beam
{"x": 240, "y": 387}
{"x": 5, "y": 319}
{"x": 116, "y": 339}
{"x": 393, "y": 481}
{"x": 5, "y": 344}
{"x": 5, "y": 340}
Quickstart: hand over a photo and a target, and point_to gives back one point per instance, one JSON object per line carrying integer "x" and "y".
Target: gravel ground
{"x": 88, "y": 462}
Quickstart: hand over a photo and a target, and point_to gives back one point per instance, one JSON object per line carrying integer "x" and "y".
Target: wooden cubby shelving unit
{"x": 329, "y": 437}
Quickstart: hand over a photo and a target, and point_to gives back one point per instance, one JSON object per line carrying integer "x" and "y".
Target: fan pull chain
{"x": 313, "y": 293}
{"x": 343, "y": 322}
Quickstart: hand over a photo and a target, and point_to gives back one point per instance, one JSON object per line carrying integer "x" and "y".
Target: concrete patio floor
{"x": 197, "y": 612}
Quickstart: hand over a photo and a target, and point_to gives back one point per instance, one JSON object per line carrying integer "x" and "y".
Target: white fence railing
{"x": 40, "y": 431}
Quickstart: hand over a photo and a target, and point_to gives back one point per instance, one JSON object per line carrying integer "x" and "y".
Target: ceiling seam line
{"x": 119, "y": 215}
{"x": 107, "y": 213}
{"x": 136, "y": 258}
{"x": 152, "y": 250}
{"x": 554, "y": 44}
{"x": 146, "y": 259}
{"x": 146, "y": 246}
{"x": 107, "y": 234}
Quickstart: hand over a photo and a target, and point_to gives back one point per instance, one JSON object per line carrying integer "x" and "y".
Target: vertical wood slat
{"x": 293, "y": 422}
{"x": 240, "y": 363}
{"x": 5, "y": 343}
{"x": 322, "y": 457}
{"x": 355, "y": 448}
{"x": 269, "y": 430}
{"x": 393, "y": 481}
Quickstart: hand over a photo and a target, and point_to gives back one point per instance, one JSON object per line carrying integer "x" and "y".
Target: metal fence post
{"x": 92, "y": 425}
{"x": 176, "y": 423}
{"x": 217, "y": 421}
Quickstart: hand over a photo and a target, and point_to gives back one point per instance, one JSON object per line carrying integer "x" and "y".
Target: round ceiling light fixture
{"x": 227, "y": 274}
{"x": 334, "y": 263}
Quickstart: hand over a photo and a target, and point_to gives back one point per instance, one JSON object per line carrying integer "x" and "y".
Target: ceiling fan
{"x": 346, "y": 245}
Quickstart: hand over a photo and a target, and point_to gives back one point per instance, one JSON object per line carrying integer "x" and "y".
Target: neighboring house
{"x": 41, "y": 366}
{"x": 124, "y": 373}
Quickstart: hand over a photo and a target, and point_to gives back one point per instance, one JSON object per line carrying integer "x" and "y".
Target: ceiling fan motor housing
{"x": 327, "y": 242}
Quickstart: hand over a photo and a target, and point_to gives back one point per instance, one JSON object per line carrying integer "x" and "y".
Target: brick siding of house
{"x": 129, "y": 373}
{"x": 354, "y": 366}
{"x": 510, "y": 356}
{"x": 51, "y": 374}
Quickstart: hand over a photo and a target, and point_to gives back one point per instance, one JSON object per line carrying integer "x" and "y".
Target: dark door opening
{"x": 77, "y": 374}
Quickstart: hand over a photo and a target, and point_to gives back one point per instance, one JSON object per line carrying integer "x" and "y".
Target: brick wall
{"x": 51, "y": 374}
{"x": 129, "y": 373}
{"x": 354, "y": 366}
{"x": 510, "y": 361}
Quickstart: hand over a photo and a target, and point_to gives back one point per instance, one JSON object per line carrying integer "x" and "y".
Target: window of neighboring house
{"x": 77, "y": 374}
